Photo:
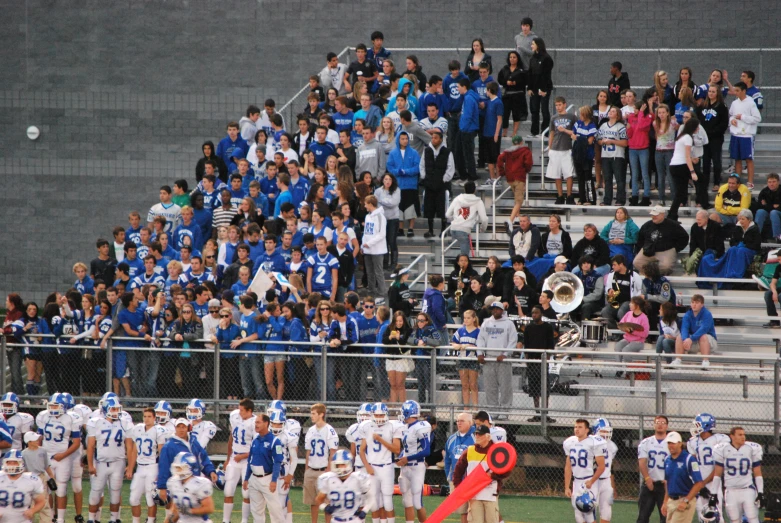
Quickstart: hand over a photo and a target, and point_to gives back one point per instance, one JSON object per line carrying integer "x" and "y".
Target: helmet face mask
{"x": 13, "y": 463}
{"x": 410, "y": 409}
{"x": 380, "y": 414}
{"x": 364, "y": 412}
{"x": 342, "y": 463}
{"x": 276, "y": 405}
{"x": 9, "y": 404}
{"x": 195, "y": 409}
{"x": 585, "y": 501}
{"x": 56, "y": 405}
{"x": 277, "y": 428}
{"x": 277, "y": 422}
{"x": 602, "y": 428}
{"x": 702, "y": 423}
{"x": 184, "y": 465}
{"x": 162, "y": 412}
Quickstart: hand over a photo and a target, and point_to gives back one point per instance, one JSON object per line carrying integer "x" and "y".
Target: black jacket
{"x": 346, "y": 265}
{"x": 398, "y": 298}
{"x": 708, "y": 238}
{"x": 714, "y": 120}
{"x": 540, "y": 68}
{"x": 397, "y": 347}
{"x": 497, "y": 281}
{"x": 566, "y": 242}
{"x": 614, "y": 88}
{"x": 667, "y": 235}
{"x": 518, "y": 76}
{"x": 472, "y": 301}
{"x": 596, "y": 248}
{"x": 221, "y": 170}
{"x": 297, "y": 141}
{"x": 752, "y": 238}
{"x": 509, "y": 285}
{"x": 466, "y": 276}
{"x": 770, "y": 198}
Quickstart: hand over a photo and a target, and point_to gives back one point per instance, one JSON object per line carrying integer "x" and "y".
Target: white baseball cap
{"x": 657, "y": 210}
{"x": 31, "y": 436}
{"x": 560, "y": 259}
{"x": 673, "y": 437}
{"x": 182, "y": 421}
{"x": 497, "y": 305}
{"x": 520, "y": 274}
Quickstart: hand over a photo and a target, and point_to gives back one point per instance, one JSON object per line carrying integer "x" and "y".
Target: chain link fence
{"x": 738, "y": 391}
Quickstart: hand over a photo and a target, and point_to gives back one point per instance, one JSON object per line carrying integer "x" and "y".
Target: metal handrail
{"x": 494, "y": 198}
{"x": 451, "y": 244}
{"x": 423, "y": 274}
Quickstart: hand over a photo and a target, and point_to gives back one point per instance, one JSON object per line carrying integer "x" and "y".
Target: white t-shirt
{"x": 679, "y": 155}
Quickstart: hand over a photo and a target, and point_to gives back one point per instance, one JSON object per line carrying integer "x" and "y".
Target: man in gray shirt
{"x": 418, "y": 138}
{"x": 523, "y": 40}
{"x": 370, "y": 156}
{"x": 560, "y": 165}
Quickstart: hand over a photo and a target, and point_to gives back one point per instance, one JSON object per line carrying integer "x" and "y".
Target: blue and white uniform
{"x": 204, "y": 431}
{"x": 347, "y": 495}
{"x": 58, "y": 432}
{"x": 582, "y": 456}
{"x": 110, "y": 456}
{"x": 242, "y": 433}
{"x": 415, "y": 446}
{"x": 381, "y": 459}
{"x": 18, "y": 495}
{"x": 189, "y": 494}
{"x": 148, "y": 443}
{"x": 702, "y": 449}
{"x": 740, "y": 485}
{"x": 321, "y": 272}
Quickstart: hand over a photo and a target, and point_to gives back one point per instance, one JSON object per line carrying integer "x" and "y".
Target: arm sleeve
{"x": 450, "y": 170}
{"x": 164, "y": 470}
{"x": 753, "y": 117}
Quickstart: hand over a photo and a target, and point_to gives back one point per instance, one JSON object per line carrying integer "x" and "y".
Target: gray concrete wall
{"x": 124, "y": 92}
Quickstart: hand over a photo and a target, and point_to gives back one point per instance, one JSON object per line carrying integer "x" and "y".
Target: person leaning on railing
{"x": 226, "y": 332}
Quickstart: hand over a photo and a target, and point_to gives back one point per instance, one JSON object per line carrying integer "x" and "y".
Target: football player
{"x": 586, "y": 463}
{"x": 353, "y": 436}
{"x": 701, "y": 446}
{"x": 148, "y": 440}
{"x": 740, "y": 464}
{"x": 605, "y": 493}
{"x": 381, "y": 441}
{"x": 23, "y": 491}
{"x": 242, "y": 427}
{"x": 345, "y": 495}
{"x": 189, "y": 492}
{"x": 204, "y": 430}
{"x": 415, "y": 447}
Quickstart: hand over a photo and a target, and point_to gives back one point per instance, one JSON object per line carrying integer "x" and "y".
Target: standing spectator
{"x": 537, "y": 335}
{"x": 523, "y": 40}
{"x": 600, "y": 110}
{"x": 665, "y": 130}
{"x": 744, "y": 117}
{"x": 465, "y": 341}
{"x": 732, "y": 198}
{"x": 770, "y": 206}
{"x": 619, "y": 82}
{"x": 232, "y": 146}
{"x": 226, "y": 332}
{"x": 477, "y": 57}
{"x": 700, "y": 140}
{"x": 457, "y": 443}
{"x": 540, "y": 85}
{"x": 512, "y": 78}
{"x": 378, "y": 54}
{"x": 414, "y": 68}
{"x": 370, "y": 156}
{"x": 660, "y": 239}
{"x": 465, "y": 211}
{"x": 697, "y": 331}
{"x": 634, "y": 339}
{"x": 560, "y": 146}
{"x": 404, "y": 164}
{"x": 14, "y": 327}
{"x": 167, "y": 209}
{"x": 492, "y": 127}
{"x": 664, "y": 91}
{"x": 468, "y": 125}
{"x": 499, "y": 332}
{"x": 396, "y": 344}
{"x": 637, "y": 131}
{"x": 453, "y": 106}
{"x": 584, "y": 135}
{"x": 379, "y": 369}
{"x": 436, "y": 170}
{"x": 683, "y": 481}
{"x": 247, "y": 125}
{"x": 621, "y": 234}
{"x": 389, "y": 197}
{"x": 714, "y": 119}
{"x": 682, "y": 162}
{"x": 612, "y": 138}
{"x": 333, "y": 74}
{"x": 685, "y": 80}
{"x": 651, "y": 454}
{"x": 514, "y": 164}
{"x": 209, "y": 155}
{"x": 425, "y": 337}
{"x": 361, "y": 70}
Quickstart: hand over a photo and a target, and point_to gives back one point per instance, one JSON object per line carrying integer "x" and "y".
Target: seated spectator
{"x": 660, "y": 239}
{"x": 513, "y": 265}
{"x": 474, "y": 298}
{"x": 460, "y": 277}
{"x": 656, "y": 290}
{"x": 621, "y": 234}
{"x": 732, "y": 197}
{"x": 770, "y": 207}
{"x": 745, "y": 243}
{"x": 554, "y": 244}
{"x": 705, "y": 236}
{"x": 399, "y": 296}
{"x": 560, "y": 264}
{"x": 669, "y": 329}
{"x": 521, "y": 297}
{"x": 525, "y": 239}
{"x": 697, "y": 331}
{"x": 621, "y": 285}
{"x": 634, "y": 340}
{"x": 593, "y": 290}
{"x": 493, "y": 277}
{"x": 595, "y": 247}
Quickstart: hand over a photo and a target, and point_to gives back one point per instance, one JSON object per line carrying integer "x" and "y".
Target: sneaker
{"x": 410, "y": 233}
{"x": 705, "y": 364}
{"x": 502, "y": 417}
{"x": 633, "y": 201}
{"x": 550, "y": 420}
{"x": 772, "y": 325}
{"x": 79, "y": 518}
{"x": 570, "y": 200}
{"x": 534, "y": 419}
{"x": 488, "y": 183}
{"x": 645, "y": 202}
{"x": 400, "y": 233}
{"x": 560, "y": 200}
{"x": 763, "y": 284}
{"x": 676, "y": 362}
{"x": 429, "y": 235}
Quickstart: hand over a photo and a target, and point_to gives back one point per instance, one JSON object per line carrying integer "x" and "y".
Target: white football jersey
{"x": 242, "y": 432}
{"x": 16, "y": 495}
{"x": 146, "y": 442}
{"x": 288, "y": 441}
{"x": 110, "y": 438}
{"x": 413, "y": 439}
{"x": 97, "y": 413}
{"x": 655, "y": 451}
{"x": 204, "y": 432}
{"x": 319, "y": 443}
{"x": 353, "y": 435}
{"x": 738, "y": 463}
{"x": 498, "y": 434}
{"x": 611, "y": 449}
{"x": 293, "y": 429}
{"x": 85, "y": 413}
{"x": 348, "y": 496}
{"x": 376, "y": 453}
{"x": 582, "y": 454}
{"x": 58, "y": 431}
{"x": 703, "y": 451}
{"x": 18, "y": 424}
{"x": 323, "y": 479}
{"x": 189, "y": 495}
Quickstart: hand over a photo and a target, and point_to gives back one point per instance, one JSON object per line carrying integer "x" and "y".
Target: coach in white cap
{"x": 497, "y": 332}
{"x": 683, "y": 481}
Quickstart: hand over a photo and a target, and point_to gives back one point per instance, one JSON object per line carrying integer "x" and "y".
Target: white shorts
{"x": 143, "y": 484}
{"x": 401, "y": 365}
{"x": 577, "y": 486}
{"x": 605, "y": 499}
{"x": 740, "y": 502}
{"x": 411, "y": 482}
{"x": 714, "y": 344}
{"x": 559, "y": 165}
{"x": 234, "y": 475}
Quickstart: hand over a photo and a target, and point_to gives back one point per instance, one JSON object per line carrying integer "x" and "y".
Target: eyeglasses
{"x": 421, "y": 320}
{"x": 214, "y": 310}
{"x": 325, "y": 308}
{"x": 209, "y": 257}
{"x": 224, "y": 316}
{"x": 368, "y": 306}
{"x": 187, "y": 312}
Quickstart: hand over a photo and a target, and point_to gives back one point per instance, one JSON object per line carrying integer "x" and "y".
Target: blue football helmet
{"x": 602, "y": 428}
{"x": 220, "y": 483}
{"x": 56, "y": 405}
{"x": 364, "y": 412}
{"x": 586, "y": 501}
{"x": 195, "y": 409}
{"x": 276, "y": 405}
{"x": 13, "y": 462}
{"x": 163, "y": 412}
{"x": 111, "y": 409}
{"x": 703, "y": 422}
{"x": 380, "y": 413}
{"x": 69, "y": 403}
{"x": 277, "y": 417}
{"x": 9, "y": 404}
{"x": 105, "y": 397}
{"x": 410, "y": 409}
{"x": 342, "y": 463}
{"x": 185, "y": 465}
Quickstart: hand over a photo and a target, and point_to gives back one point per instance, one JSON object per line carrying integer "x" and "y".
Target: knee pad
{"x": 417, "y": 499}
{"x": 62, "y": 489}
{"x": 94, "y": 496}
{"x": 75, "y": 485}
{"x": 116, "y": 496}
{"x": 245, "y": 494}
{"x": 388, "y": 501}
{"x": 606, "y": 511}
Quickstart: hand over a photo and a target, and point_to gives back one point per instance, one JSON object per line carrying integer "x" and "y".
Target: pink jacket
{"x": 642, "y": 320}
{"x": 638, "y": 127}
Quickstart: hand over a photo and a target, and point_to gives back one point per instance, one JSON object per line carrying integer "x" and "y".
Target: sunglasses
{"x": 187, "y": 312}
{"x": 325, "y": 308}
{"x": 223, "y": 316}
{"x": 368, "y": 306}
{"x": 421, "y": 320}
{"x": 209, "y": 257}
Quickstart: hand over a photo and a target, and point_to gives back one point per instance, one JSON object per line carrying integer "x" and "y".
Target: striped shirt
{"x": 222, "y": 217}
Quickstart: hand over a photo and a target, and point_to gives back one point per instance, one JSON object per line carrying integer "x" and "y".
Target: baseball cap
{"x": 657, "y": 210}
{"x": 182, "y": 421}
{"x": 734, "y": 175}
{"x": 517, "y": 139}
{"x": 560, "y": 259}
{"x": 215, "y": 304}
{"x": 482, "y": 429}
{"x": 228, "y": 296}
{"x": 31, "y": 436}
{"x": 520, "y": 274}
{"x": 497, "y": 305}
{"x": 673, "y": 437}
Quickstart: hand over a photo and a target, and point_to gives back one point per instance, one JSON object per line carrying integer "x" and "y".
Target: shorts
{"x": 273, "y": 358}
{"x": 741, "y": 147}
{"x": 714, "y": 345}
{"x": 310, "y": 486}
{"x": 560, "y": 165}
{"x": 467, "y": 364}
{"x": 409, "y": 204}
{"x": 400, "y": 365}
{"x": 491, "y": 149}
{"x": 120, "y": 365}
{"x": 519, "y": 191}
{"x": 36, "y": 356}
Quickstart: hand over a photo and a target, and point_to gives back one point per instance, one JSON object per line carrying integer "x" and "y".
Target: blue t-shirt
{"x": 681, "y": 474}
{"x": 322, "y": 152}
{"x": 343, "y": 121}
{"x": 237, "y": 196}
{"x": 134, "y": 320}
{"x": 367, "y": 331}
{"x": 493, "y": 111}
{"x": 284, "y": 197}
{"x": 269, "y": 186}
{"x": 321, "y": 272}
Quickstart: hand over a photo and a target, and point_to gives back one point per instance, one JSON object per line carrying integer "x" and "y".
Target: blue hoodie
{"x": 455, "y": 446}
{"x": 412, "y": 101}
{"x": 450, "y": 88}
{"x": 434, "y": 303}
{"x": 193, "y": 231}
{"x": 470, "y": 115}
{"x": 173, "y": 447}
{"x": 695, "y": 327}
{"x": 406, "y": 169}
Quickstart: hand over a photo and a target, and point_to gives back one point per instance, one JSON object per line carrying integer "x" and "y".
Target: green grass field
{"x": 514, "y": 509}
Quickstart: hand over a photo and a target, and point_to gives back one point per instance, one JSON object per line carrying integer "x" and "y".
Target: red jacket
{"x": 637, "y": 129}
{"x": 515, "y": 163}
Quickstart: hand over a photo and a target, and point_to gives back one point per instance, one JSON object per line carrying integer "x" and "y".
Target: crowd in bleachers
{"x": 289, "y": 229}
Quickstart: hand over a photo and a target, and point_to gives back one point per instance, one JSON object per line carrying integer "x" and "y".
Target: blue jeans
{"x": 463, "y": 240}
{"x": 663, "y": 159}
{"x": 329, "y": 376}
{"x": 252, "y": 377}
{"x": 150, "y": 365}
{"x": 775, "y": 221}
{"x": 663, "y": 345}
{"x": 638, "y": 160}
{"x": 614, "y": 168}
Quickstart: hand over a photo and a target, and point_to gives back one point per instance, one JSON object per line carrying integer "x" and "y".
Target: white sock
{"x": 150, "y": 519}
{"x": 245, "y": 512}
{"x": 93, "y": 516}
{"x": 168, "y": 512}
{"x": 392, "y": 520}
{"x": 114, "y": 515}
{"x": 227, "y": 508}
{"x": 60, "y": 518}
{"x": 99, "y": 514}
{"x": 288, "y": 517}
{"x": 137, "y": 519}
{"x": 375, "y": 520}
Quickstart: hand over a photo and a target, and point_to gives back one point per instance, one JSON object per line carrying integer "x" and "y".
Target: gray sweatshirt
{"x": 389, "y": 202}
{"x": 418, "y": 138}
{"x": 497, "y": 334}
{"x": 523, "y": 44}
{"x": 370, "y": 157}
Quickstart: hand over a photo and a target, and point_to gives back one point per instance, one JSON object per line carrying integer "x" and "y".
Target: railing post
{"x": 544, "y": 390}
{"x": 493, "y": 209}
{"x": 425, "y": 271}
{"x": 776, "y": 401}
{"x": 433, "y": 377}
{"x": 660, "y": 407}
{"x": 477, "y": 235}
{"x": 323, "y": 373}
{"x": 3, "y": 362}
{"x": 216, "y": 383}
{"x": 452, "y": 419}
{"x": 109, "y": 364}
